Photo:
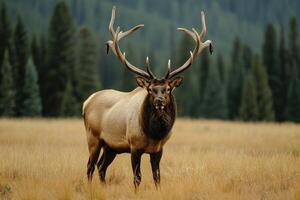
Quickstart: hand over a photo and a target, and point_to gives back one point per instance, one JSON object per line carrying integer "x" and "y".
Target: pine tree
{"x": 187, "y": 106}
{"x": 5, "y": 33}
{"x": 21, "y": 51}
{"x": 264, "y": 94}
{"x": 294, "y": 49}
{"x": 7, "y": 88}
{"x": 32, "y": 106}
{"x": 39, "y": 55}
{"x": 221, "y": 68}
{"x": 214, "y": 103}
{"x": 41, "y": 67}
{"x": 235, "y": 80}
{"x": 293, "y": 99}
{"x": 270, "y": 55}
{"x": 88, "y": 81}
{"x": 249, "y": 109}
{"x": 35, "y": 52}
{"x": 68, "y": 105}
{"x": 247, "y": 57}
{"x": 204, "y": 73}
{"x": 61, "y": 66}
{"x": 284, "y": 79}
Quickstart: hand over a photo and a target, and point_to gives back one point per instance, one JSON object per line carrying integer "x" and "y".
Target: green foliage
{"x": 293, "y": 95}
{"x": 39, "y": 55}
{"x": 203, "y": 73}
{"x": 221, "y": 68}
{"x": 214, "y": 103}
{"x": 270, "y": 55}
{"x": 61, "y": 59}
{"x": 264, "y": 94}
{"x": 188, "y": 106}
{"x": 69, "y": 105}
{"x": 7, "y": 88}
{"x": 226, "y": 18}
{"x": 32, "y": 106}
{"x": 293, "y": 99}
{"x": 294, "y": 43}
{"x": 284, "y": 78}
{"x": 247, "y": 57}
{"x": 5, "y": 33}
{"x": 88, "y": 82}
{"x": 21, "y": 52}
{"x": 249, "y": 110}
{"x": 35, "y": 51}
{"x": 69, "y": 65}
{"x": 235, "y": 80}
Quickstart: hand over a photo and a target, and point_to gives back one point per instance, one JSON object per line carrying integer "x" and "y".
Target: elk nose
{"x": 159, "y": 100}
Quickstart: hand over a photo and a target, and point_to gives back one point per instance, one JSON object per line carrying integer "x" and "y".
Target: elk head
{"x": 159, "y": 89}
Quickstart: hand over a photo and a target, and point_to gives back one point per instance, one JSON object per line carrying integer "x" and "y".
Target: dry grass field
{"x": 46, "y": 159}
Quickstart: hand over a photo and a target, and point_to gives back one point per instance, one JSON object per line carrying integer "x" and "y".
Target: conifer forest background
{"x": 52, "y": 55}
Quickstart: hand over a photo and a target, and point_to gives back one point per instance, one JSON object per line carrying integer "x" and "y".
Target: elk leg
{"x": 106, "y": 159}
{"x": 94, "y": 148}
{"x": 155, "y": 160}
{"x": 136, "y": 163}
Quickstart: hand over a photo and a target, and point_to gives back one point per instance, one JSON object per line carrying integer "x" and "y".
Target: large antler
{"x": 117, "y": 35}
{"x": 197, "y": 50}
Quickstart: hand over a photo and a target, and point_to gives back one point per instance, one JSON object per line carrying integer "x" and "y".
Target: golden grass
{"x": 46, "y": 159}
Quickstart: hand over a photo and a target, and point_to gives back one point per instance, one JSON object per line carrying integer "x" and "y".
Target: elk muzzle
{"x": 159, "y": 103}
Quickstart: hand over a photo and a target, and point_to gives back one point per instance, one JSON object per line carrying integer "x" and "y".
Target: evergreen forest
{"x": 53, "y": 55}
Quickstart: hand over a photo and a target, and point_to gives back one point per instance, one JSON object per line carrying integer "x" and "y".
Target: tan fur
{"x": 113, "y": 116}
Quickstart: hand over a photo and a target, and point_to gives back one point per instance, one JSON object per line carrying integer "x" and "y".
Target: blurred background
{"x": 52, "y": 55}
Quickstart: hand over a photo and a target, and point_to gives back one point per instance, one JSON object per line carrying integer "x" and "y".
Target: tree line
{"x": 46, "y": 76}
{"x": 254, "y": 86}
{"x": 52, "y": 74}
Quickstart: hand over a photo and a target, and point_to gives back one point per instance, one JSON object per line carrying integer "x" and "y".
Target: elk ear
{"x": 176, "y": 82}
{"x": 142, "y": 82}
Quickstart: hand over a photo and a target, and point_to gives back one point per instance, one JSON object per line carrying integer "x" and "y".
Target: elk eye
{"x": 149, "y": 90}
{"x": 168, "y": 90}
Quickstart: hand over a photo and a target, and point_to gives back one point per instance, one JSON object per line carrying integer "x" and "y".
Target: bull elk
{"x": 139, "y": 121}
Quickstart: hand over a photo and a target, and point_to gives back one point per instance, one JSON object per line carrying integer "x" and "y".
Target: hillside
{"x": 252, "y": 74}
{"x": 225, "y": 19}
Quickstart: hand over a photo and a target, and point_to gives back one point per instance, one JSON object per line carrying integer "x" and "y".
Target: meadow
{"x": 46, "y": 159}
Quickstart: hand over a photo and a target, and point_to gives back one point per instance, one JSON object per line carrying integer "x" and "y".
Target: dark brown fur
{"x": 156, "y": 124}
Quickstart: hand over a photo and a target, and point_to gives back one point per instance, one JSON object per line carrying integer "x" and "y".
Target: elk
{"x": 139, "y": 121}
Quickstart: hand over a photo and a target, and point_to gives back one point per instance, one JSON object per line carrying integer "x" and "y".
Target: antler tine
{"x": 203, "y": 32}
{"x": 147, "y": 61}
{"x": 188, "y": 32}
{"x": 148, "y": 68}
{"x": 193, "y": 54}
{"x": 112, "y": 21}
{"x": 132, "y": 30}
{"x": 198, "y": 48}
{"x": 123, "y": 59}
{"x": 113, "y": 44}
{"x": 169, "y": 69}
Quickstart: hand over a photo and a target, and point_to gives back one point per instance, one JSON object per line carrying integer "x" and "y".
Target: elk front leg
{"x": 155, "y": 160}
{"x": 106, "y": 159}
{"x": 136, "y": 167}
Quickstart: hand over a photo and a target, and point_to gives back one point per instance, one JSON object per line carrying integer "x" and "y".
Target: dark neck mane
{"x": 156, "y": 124}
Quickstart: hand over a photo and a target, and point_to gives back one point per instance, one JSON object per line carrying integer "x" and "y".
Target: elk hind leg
{"x": 94, "y": 145}
{"x": 106, "y": 159}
